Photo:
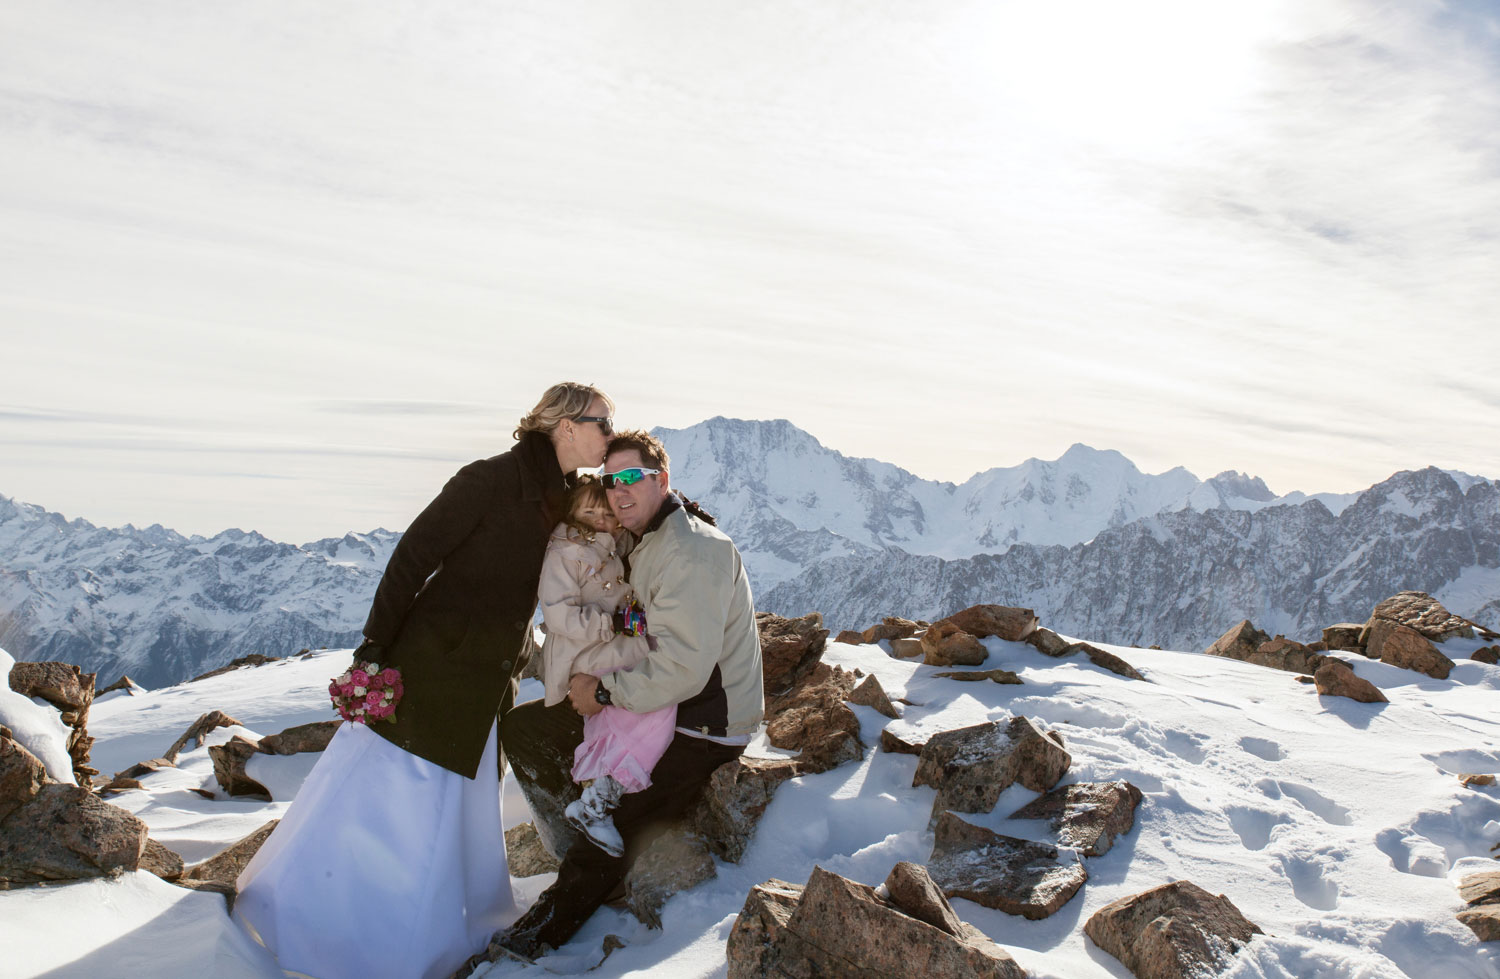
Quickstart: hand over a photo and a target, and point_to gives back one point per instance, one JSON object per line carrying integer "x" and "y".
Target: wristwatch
{"x": 601, "y": 695}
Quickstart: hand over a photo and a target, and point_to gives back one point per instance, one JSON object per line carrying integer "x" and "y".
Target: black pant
{"x": 539, "y": 743}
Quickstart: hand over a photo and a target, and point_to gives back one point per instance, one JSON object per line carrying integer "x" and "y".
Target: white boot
{"x": 590, "y": 815}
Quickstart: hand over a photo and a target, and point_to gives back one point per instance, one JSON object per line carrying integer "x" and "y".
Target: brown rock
{"x": 1087, "y": 815}
{"x": 200, "y": 730}
{"x": 1344, "y": 635}
{"x": 525, "y": 853}
{"x": 1403, "y": 646}
{"x": 891, "y": 627}
{"x": 303, "y": 737}
{"x": 971, "y": 676}
{"x": 229, "y": 767}
{"x": 1473, "y": 781}
{"x": 124, "y": 683}
{"x": 736, "y": 798}
{"x": 1013, "y": 624}
{"x": 896, "y": 745}
{"x": 22, "y": 775}
{"x": 1484, "y": 922}
{"x": 913, "y": 891}
{"x": 971, "y": 766}
{"x": 1175, "y": 931}
{"x": 906, "y": 648}
{"x": 789, "y": 647}
{"x": 1420, "y": 611}
{"x": 62, "y": 685}
{"x": 145, "y": 768}
{"x": 1282, "y": 653}
{"x": 1011, "y": 875}
{"x": 1336, "y": 679}
{"x": 227, "y": 891}
{"x": 852, "y": 932}
{"x": 675, "y": 861}
{"x": 226, "y": 866}
{"x": 945, "y": 644}
{"x": 254, "y": 659}
{"x": 1240, "y": 642}
{"x": 67, "y": 833}
{"x": 754, "y": 948}
{"x": 869, "y": 693}
{"x": 119, "y": 784}
{"x": 160, "y": 861}
{"x": 1106, "y": 661}
{"x": 1486, "y": 654}
{"x": 850, "y": 637}
{"x": 1481, "y": 888}
{"x": 1048, "y": 642}
{"x": 813, "y": 719}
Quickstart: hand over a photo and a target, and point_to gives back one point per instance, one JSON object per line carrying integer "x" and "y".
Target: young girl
{"x": 593, "y": 627}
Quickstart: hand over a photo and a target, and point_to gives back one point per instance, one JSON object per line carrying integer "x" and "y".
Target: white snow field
{"x": 1339, "y": 828}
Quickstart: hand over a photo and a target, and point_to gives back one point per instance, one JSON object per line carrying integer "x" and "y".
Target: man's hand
{"x": 581, "y": 694}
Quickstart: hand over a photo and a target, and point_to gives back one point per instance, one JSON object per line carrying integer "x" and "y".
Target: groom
{"x": 706, "y": 660}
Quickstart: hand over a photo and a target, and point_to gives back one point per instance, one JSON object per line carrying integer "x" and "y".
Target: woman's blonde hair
{"x": 588, "y": 491}
{"x": 565, "y": 400}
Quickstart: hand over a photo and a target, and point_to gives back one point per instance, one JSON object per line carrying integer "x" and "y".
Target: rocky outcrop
{"x": 1345, "y": 636}
{"x": 199, "y": 730}
{"x": 1240, "y": 642}
{"x": 1481, "y": 892}
{"x": 1336, "y": 678}
{"x": 1049, "y": 643}
{"x": 814, "y": 719}
{"x": 837, "y": 927}
{"x": 983, "y": 621}
{"x": 159, "y": 860}
{"x": 71, "y": 691}
{"x": 789, "y": 647}
{"x": 1420, "y": 611}
{"x": 1015, "y": 876}
{"x": 945, "y": 644}
{"x": 1086, "y": 815}
{"x": 675, "y": 861}
{"x": 869, "y": 693}
{"x": 1175, "y": 931}
{"x": 524, "y": 853}
{"x": 1105, "y": 660}
{"x": 65, "y": 832}
{"x": 229, "y": 767}
{"x": 226, "y": 866}
{"x": 736, "y": 798}
{"x": 1486, "y": 654}
{"x": 301, "y": 738}
{"x": 971, "y": 766}
{"x": 22, "y": 776}
{"x": 1400, "y": 645}
{"x": 974, "y": 676}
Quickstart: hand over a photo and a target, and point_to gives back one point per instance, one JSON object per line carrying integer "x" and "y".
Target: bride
{"x": 391, "y": 861}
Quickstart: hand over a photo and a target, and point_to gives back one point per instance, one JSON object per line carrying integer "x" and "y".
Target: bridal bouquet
{"x": 366, "y": 693}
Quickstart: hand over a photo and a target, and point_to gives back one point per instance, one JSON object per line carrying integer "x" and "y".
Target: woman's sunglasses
{"x": 605, "y": 425}
{"x": 627, "y": 477}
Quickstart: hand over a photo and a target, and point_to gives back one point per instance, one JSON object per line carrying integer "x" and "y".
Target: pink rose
{"x": 360, "y": 678}
{"x": 390, "y": 675}
{"x": 372, "y": 700}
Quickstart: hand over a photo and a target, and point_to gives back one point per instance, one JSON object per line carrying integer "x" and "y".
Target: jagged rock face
{"x": 1407, "y": 648}
{"x": 1175, "y": 931}
{"x": 65, "y": 832}
{"x": 1175, "y": 578}
{"x": 1425, "y": 614}
{"x": 788, "y": 647}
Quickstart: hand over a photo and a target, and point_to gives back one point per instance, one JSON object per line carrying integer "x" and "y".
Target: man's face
{"x": 636, "y": 504}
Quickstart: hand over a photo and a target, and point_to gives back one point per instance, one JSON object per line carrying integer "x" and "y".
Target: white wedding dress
{"x": 385, "y": 865}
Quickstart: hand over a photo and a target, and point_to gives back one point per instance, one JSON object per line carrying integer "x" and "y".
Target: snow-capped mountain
{"x": 1180, "y": 577}
{"x": 1094, "y": 544}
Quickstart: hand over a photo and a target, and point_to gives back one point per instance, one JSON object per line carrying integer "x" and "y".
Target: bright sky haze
{"x": 285, "y": 266}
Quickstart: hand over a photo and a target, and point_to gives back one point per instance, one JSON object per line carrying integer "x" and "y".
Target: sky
{"x": 285, "y": 266}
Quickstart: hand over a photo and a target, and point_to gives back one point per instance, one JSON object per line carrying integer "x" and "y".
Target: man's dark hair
{"x": 653, "y": 453}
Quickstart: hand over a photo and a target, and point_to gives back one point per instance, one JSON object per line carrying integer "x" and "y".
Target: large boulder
{"x": 71, "y": 691}
{"x": 1480, "y": 888}
{"x": 1400, "y": 645}
{"x": 891, "y": 627}
{"x": 945, "y": 644}
{"x": 1345, "y": 636}
{"x": 1175, "y": 931}
{"x": 814, "y": 719}
{"x": 65, "y": 832}
{"x": 301, "y": 738}
{"x": 1486, "y": 654}
{"x": 1281, "y": 653}
{"x": 971, "y": 766}
{"x": 736, "y": 798}
{"x": 1420, "y": 611}
{"x": 675, "y": 861}
{"x": 1049, "y": 643}
{"x": 1013, "y": 624}
{"x": 1240, "y": 642}
{"x": 22, "y": 775}
{"x": 1336, "y": 678}
{"x": 837, "y": 927}
{"x": 869, "y": 693}
{"x": 229, "y": 767}
{"x": 1484, "y": 922}
{"x": 1015, "y": 876}
{"x": 1086, "y": 815}
{"x": 524, "y": 853}
{"x": 788, "y": 647}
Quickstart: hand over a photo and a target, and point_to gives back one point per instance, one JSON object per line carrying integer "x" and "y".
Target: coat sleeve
{"x": 685, "y": 614}
{"x": 563, "y": 610}
{"x": 435, "y": 532}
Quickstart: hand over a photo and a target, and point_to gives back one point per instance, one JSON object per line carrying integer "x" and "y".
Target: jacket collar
{"x": 667, "y": 506}
{"x": 541, "y": 476}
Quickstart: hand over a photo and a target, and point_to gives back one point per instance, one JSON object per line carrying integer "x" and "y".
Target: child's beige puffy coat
{"x": 582, "y": 583}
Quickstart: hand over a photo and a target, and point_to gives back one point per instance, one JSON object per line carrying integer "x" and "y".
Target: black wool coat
{"x": 454, "y": 608}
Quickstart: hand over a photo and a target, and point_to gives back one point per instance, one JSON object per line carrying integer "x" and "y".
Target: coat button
{"x": 522, "y": 624}
{"x": 505, "y": 666}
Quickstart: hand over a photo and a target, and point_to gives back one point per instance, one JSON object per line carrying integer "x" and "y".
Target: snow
{"x": 1339, "y": 828}
{"x": 37, "y": 726}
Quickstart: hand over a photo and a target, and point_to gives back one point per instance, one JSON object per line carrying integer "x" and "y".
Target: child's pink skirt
{"x": 625, "y": 745}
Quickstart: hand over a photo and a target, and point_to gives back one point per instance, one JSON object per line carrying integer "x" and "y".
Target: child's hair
{"x": 588, "y": 491}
